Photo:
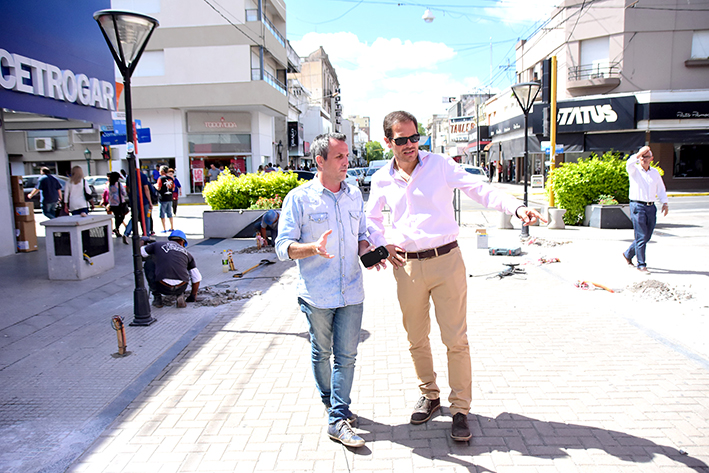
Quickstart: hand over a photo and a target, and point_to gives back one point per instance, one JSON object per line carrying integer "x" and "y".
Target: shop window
{"x": 691, "y": 161}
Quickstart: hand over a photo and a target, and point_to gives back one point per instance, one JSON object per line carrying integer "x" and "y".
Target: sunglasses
{"x": 401, "y": 141}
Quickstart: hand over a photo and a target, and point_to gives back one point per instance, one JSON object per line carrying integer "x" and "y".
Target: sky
{"x": 387, "y": 58}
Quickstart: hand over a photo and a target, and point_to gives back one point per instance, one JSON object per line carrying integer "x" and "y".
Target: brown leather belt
{"x": 432, "y": 253}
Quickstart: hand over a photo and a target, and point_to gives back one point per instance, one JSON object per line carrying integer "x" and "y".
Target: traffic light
{"x": 106, "y": 152}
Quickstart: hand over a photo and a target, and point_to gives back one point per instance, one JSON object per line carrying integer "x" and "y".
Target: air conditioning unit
{"x": 44, "y": 144}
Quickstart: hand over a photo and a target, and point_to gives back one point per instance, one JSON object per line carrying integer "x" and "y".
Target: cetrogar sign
{"x": 50, "y": 68}
{"x": 47, "y": 80}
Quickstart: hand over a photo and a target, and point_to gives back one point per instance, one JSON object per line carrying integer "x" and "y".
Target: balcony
{"x": 253, "y": 15}
{"x": 269, "y": 79}
{"x": 595, "y": 78}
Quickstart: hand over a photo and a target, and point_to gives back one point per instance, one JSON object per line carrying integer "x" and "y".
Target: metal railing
{"x": 594, "y": 71}
{"x": 268, "y": 78}
{"x": 252, "y": 15}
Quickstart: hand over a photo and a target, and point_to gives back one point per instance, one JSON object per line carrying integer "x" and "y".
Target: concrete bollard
{"x": 556, "y": 218}
{"x": 505, "y": 221}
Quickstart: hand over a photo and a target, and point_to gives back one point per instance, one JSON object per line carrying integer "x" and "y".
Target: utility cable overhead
{"x": 232, "y": 23}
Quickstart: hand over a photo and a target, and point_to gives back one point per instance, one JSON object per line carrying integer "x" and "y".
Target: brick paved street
{"x": 565, "y": 380}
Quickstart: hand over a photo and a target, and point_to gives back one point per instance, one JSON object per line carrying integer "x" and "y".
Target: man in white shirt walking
{"x": 418, "y": 187}
{"x": 646, "y": 187}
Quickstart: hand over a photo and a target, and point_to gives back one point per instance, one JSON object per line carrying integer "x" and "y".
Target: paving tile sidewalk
{"x": 564, "y": 380}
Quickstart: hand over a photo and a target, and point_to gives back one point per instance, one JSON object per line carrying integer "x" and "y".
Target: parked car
{"x": 307, "y": 175}
{"x": 352, "y": 177}
{"x": 360, "y": 174}
{"x": 100, "y": 183}
{"x": 476, "y": 171}
{"x": 367, "y": 180}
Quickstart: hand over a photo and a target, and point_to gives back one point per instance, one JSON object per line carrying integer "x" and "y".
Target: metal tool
{"x": 263, "y": 262}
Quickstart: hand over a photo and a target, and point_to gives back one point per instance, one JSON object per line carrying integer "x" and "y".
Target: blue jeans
{"x": 644, "y": 218}
{"x": 334, "y": 331}
{"x": 129, "y": 227}
{"x": 49, "y": 209}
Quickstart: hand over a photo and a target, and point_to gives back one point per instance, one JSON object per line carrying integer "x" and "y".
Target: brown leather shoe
{"x": 424, "y": 409}
{"x": 628, "y": 260}
{"x": 460, "y": 431}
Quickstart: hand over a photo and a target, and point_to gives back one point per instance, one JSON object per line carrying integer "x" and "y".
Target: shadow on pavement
{"x": 509, "y": 432}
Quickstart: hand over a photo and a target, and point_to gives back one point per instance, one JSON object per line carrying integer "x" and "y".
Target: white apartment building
{"x": 629, "y": 73}
{"x": 211, "y": 86}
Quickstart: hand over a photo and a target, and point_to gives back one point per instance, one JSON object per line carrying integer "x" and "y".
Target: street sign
{"x": 114, "y": 138}
{"x": 108, "y": 138}
{"x": 546, "y": 147}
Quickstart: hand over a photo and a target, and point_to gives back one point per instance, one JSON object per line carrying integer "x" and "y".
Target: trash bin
{"x": 79, "y": 247}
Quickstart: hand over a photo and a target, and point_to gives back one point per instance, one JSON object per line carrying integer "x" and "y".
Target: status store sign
{"x": 460, "y": 128}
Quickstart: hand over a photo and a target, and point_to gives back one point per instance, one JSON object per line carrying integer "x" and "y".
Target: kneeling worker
{"x": 173, "y": 268}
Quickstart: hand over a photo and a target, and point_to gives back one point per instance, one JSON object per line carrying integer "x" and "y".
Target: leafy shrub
{"x": 231, "y": 192}
{"x": 577, "y": 185}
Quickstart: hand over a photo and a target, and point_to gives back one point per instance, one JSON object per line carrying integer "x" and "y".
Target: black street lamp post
{"x": 127, "y": 34}
{"x": 525, "y": 93}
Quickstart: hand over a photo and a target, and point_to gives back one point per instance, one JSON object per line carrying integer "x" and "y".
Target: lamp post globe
{"x": 127, "y": 34}
{"x": 525, "y": 93}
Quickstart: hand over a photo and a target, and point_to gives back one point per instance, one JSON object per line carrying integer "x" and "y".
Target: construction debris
{"x": 659, "y": 291}
{"x": 591, "y": 286}
{"x": 543, "y": 242}
{"x": 254, "y": 249}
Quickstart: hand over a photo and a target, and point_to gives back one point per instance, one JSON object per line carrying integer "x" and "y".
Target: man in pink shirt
{"x": 418, "y": 188}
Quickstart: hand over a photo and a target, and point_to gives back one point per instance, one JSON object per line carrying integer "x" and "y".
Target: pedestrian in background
{"x": 422, "y": 241}
{"x": 646, "y": 187}
{"x": 177, "y": 192}
{"x": 50, "y": 190}
{"x": 165, "y": 186}
{"x": 77, "y": 193}
{"x": 116, "y": 201}
{"x": 213, "y": 173}
{"x": 146, "y": 208}
{"x": 322, "y": 227}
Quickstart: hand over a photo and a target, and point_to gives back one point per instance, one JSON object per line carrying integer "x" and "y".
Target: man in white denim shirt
{"x": 418, "y": 188}
{"x": 322, "y": 227}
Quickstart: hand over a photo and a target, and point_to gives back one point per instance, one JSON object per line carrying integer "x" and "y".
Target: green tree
{"x": 422, "y": 130}
{"x": 389, "y": 154}
{"x": 374, "y": 151}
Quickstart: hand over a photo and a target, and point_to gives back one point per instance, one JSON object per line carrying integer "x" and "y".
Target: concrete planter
{"x": 228, "y": 223}
{"x": 607, "y": 216}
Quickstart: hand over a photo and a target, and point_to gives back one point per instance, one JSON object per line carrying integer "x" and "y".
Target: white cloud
{"x": 388, "y": 75}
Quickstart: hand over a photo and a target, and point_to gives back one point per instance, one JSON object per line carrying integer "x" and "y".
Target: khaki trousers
{"x": 443, "y": 280}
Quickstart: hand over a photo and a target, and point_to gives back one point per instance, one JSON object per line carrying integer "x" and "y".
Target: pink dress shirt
{"x": 422, "y": 209}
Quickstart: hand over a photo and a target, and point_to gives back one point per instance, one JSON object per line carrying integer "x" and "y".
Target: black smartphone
{"x": 371, "y": 258}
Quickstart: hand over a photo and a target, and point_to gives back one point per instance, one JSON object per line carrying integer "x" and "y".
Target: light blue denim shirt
{"x": 308, "y": 212}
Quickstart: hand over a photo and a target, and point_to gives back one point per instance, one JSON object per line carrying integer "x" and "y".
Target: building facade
{"x": 629, "y": 74}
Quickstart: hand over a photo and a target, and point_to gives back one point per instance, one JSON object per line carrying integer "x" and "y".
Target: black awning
{"x": 573, "y": 142}
{"x": 515, "y": 148}
{"x": 680, "y": 136}
{"x": 615, "y": 141}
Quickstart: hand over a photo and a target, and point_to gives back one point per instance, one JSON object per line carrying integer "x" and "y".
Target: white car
{"x": 476, "y": 171}
{"x": 352, "y": 177}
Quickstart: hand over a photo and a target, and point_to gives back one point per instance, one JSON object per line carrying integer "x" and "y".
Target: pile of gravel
{"x": 254, "y": 249}
{"x": 213, "y": 297}
{"x": 658, "y": 291}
